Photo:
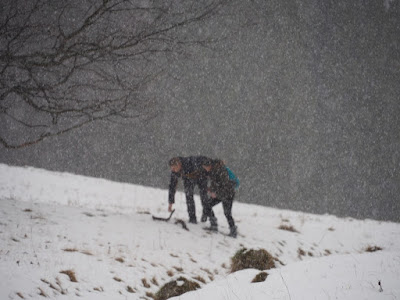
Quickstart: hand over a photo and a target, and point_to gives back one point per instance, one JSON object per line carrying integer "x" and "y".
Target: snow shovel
{"x": 164, "y": 219}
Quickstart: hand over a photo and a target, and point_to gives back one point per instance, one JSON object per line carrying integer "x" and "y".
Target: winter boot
{"x": 203, "y": 218}
{"x": 213, "y": 224}
{"x": 233, "y": 231}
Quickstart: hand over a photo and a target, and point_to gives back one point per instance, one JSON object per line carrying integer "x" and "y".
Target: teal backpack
{"x": 232, "y": 177}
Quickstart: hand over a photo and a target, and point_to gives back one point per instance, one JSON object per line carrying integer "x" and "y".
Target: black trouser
{"x": 189, "y": 185}
{"x": 227, "y": 206}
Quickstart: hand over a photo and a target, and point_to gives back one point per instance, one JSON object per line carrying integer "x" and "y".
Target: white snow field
{"x": 55, "y": 225}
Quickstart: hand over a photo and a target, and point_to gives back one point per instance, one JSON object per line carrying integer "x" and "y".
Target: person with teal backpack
{"x": 233, "y": 178}
{"x": 223, "y": 183}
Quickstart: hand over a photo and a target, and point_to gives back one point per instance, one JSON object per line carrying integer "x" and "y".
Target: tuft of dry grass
{"x": 154, "y": 281}
{"x": 373, "y": 249}
{"x": 150, "y": 295}
{"x": 179, "y": 269}
{"x": 252, "y": 259}
{"x": 300, "y": 253}
{"x": 199, "y": 278}
{"x": 58, "y": 282}
{"x": 207, "y": 271}
{"x": 20, "y": 295}
{"x": 120, "y": 259}
{"x": 51, "y": 285}
{"x": 86, "y": 252}
{"x": 288, "y": 228}
{"x": 27, "y": 210}
{"x": 170, "y": 273}
{"x": 70, "y": 250}
{"x": 98, "y": 289}
{"x": 176, "y": 288}
{"x": 145, "y": 283}
{"x": 130, "y": 289}
{"x": 70, "y": 274}
{"x": 260, "y": 277}
{"x": 117, "y": 279}
{"x": 42, "y": 293}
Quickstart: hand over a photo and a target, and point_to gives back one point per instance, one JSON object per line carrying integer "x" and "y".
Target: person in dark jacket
{"x": 191, "y": 171}
{"x": 222, "y": 189}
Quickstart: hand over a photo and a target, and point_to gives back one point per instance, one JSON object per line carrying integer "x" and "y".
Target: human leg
{"x": 191, "y": 208}
{"x": 202, "y": 183}
{"x": 209, "y": 212}
{"x": 227, "y": 206}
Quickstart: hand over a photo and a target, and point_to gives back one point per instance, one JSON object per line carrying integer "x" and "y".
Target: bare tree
{"x": 64, "y": 64}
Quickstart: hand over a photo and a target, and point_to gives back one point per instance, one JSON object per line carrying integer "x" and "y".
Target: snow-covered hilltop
{"x": 66, "y": 236}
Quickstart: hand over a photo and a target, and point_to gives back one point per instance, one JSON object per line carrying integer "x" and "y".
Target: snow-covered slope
{"x": 103, "y": 231}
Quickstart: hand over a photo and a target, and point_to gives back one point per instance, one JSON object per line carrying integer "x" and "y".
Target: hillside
{"x": 102, "y": 231}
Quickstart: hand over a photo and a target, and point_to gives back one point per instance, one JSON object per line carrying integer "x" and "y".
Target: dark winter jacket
{"x": 192, "y": 169}
{"x": 221, "y": 185}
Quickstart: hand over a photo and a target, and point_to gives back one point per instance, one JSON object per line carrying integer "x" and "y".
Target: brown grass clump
{"x": 145, "y": 283}
{"x": 154, "y": 281}
{"x": 373, "y": 249}
{"x": 288, "y": 228}
{"x": 120, "y": 259}
{"x": 70, "y": 250}
{"x": 199, "y": 278}
{"x": 170, "y": 273}
{"x": 260, "y": 277}
{"x": 301, "y": 252}
{"x": 176, "y": 288}
{"x": 252, "y": 259}
{"x": 179, "y": 269}
{"x": 150, "y": 295}
{"x": 42, "y": 293}
{"x": 206, "y": 270}
{"x": 52, "y": 286}
{"x": 130, "y": 289}
{"x": 70, "y": 274}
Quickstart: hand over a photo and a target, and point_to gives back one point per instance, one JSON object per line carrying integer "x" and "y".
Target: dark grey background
{"x": 302, "y": 100}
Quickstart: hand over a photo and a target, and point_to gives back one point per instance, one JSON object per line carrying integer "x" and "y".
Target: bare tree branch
{"x": 65, "y": 64}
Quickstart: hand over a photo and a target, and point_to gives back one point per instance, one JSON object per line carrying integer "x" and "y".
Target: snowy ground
{"x": 52, "y": 223}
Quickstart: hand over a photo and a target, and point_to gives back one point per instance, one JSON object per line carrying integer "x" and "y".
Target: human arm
{"x": 172, "y": 189}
